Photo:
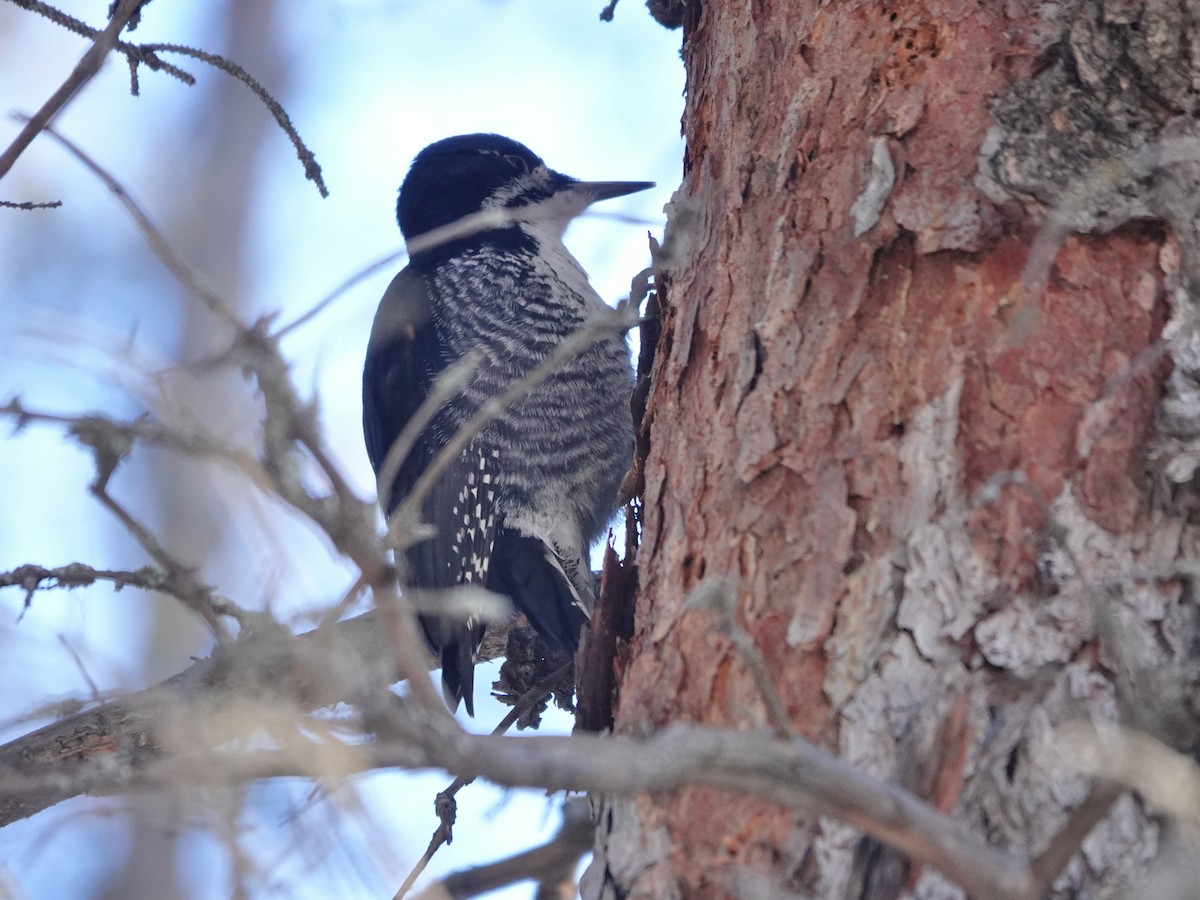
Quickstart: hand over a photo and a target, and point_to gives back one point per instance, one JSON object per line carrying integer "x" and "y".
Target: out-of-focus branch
{"x": 1164, "y": 776}
{"x": 449, "y": 383}
{"x": 93, "y": 430}
{"x": 464, "y": 227}
{"x": 793, "y": 772}
{"x": 291, "y": 430}
{"x": 305, "y": 672}
{"x": 718, "y": 595}
{"x": 109, "y": 443}
{"x": 1051, "y": 861}
{"x": 183, "y": 273}
{"x": 185, "y": 585}
{"x": 325, "y": 302}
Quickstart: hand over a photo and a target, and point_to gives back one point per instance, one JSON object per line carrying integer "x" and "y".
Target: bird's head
{"x": 458, "y": 176}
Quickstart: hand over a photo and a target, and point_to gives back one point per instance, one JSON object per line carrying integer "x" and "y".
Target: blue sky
{"x": 87, "y": 310}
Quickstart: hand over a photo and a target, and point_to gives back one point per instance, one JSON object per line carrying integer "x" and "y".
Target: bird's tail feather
{"x": 526, "y": 569}
{"x": 458, "y": 670}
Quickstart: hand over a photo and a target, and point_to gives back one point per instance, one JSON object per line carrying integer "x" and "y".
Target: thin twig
{"x": 89, "y": 428}
{"x": 1066, "y": 843}
{"x": 30, "y": 204}
{"x": 312, "y": 169}
{"x": 83, "y": 72}
{"x": 383, "y": 262}
{"x": 444, "y": 803}
{"x": 58, "y": 17}
{"x": 551, "y": 865}
{"x": 752, "y": 660}
{"x": 149, "y": 55}
{"x": 84, "y": 673}
{"x": 31, "y": 578}
{"x": 190, "y": 590}
{"x": 109, "y": 443}
{"x": 325, "y": 302}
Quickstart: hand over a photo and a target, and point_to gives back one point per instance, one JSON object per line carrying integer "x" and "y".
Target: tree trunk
{"x": 914, "y": 294}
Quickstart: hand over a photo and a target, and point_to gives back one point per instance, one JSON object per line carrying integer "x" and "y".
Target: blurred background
{"x": 93, "y": 322}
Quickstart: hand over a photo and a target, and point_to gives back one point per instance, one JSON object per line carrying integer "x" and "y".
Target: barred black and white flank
{"x": 521, "y": 505}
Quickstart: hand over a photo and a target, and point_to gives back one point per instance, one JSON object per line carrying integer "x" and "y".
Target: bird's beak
{"x": 595, "y": 191}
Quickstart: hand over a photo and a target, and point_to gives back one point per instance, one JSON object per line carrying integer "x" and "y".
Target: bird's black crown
{"x": 455, "y": 176}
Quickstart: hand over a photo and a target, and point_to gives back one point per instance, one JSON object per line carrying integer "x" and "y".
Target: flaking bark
{"x": 920, "y": 431}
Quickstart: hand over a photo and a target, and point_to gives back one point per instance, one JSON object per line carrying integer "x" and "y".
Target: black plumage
{"x": 518, "y": 509}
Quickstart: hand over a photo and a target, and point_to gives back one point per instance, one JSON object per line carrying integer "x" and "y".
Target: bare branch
{"x": 109, "y": 443}
{"x": 31, "y": 578}
{"x": 1064, "y": 845}
{"x": 312, "y": 170}
{"x": 325, "y": 302}
{"x": 90, "y": 430}
{"x": 551, "y": 865}
{"x": 793, "y": 772}
{"x": 30, "y": 204}
{"x": 183, "y": 273}
{"x": 306, "y": 671}
{"x": 184, "y": 584}
{"x": 84, "y": 71}
{"x": 444, "y": 803}
{"x": 126, "y": 12}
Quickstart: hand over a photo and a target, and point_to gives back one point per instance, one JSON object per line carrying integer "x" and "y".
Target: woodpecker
{"x": 518, "y": 509}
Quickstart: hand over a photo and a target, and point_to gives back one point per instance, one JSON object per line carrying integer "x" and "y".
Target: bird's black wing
{"x": 404, "y": 357}
{"x": 537, "y": 579}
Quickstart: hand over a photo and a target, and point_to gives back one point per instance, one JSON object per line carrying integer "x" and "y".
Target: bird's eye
{"x": 517, "y": 162}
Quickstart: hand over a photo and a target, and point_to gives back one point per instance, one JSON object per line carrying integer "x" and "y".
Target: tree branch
{"x": 794, "y": 772}
{"x": 148, "y": 55}
{"x": 32, "y": 578}
{"x": 445, "y": 804}
{"x": 307, "y": 671}
{"x": 83, "y": 72}
{"x": 551, "y": 865}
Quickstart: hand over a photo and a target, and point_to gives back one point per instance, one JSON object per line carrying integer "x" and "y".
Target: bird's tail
{"x": 529, "y": 571}
{"x": 458, "y": 669}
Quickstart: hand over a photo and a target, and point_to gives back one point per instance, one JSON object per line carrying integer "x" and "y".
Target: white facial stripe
{"x": 539, "y": 177}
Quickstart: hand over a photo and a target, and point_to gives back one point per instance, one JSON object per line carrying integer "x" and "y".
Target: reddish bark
{"x": 826, "y": 409}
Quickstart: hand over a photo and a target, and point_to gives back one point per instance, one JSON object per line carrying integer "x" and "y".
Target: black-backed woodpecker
{"x": 517, "y": 511}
